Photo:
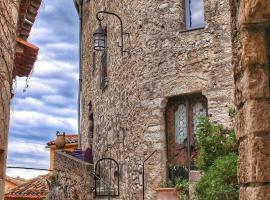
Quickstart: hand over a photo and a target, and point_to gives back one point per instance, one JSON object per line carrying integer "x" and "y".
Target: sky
{"x": 49, "y": 103}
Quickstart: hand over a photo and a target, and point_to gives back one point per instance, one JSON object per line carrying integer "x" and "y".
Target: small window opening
{"x": 194, "y": 11}
{"x": 103, "y": 71}
{"x": 91, "y": 122}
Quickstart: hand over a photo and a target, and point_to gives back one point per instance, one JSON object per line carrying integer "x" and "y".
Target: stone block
{"x": 254, "y": 159}
{"x": 254, "y": 48}
{"x": 254, "y": 117}
{"x": 194, "y": 177}
{"x": 255, "y": 193}
{"x": 254, "y": 11}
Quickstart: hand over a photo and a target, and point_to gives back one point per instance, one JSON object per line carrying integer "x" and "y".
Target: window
{"x": 194, "y": 10}
{"x": 103, "y": 71}
{"x": 91, "y": 121}
{"x": 182, "y": 121}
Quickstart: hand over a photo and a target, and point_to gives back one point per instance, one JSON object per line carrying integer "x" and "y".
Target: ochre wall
{"x": 164, "y": 61}
{"x": 250, "y": 23}
{"x": 68, "y": 147}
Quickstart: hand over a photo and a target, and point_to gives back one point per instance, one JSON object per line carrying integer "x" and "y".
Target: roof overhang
{"x": 25, "y": 58}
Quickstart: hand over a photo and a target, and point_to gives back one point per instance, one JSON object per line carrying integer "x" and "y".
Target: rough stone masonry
{"x": 164, "y": 60}
{"x": 251, "y": 42}
{"x": 8, "y": 19}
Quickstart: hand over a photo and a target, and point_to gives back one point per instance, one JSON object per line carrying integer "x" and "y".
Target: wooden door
{"x": 181, "y": 121}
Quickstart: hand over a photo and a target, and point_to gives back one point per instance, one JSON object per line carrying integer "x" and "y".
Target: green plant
{"x": 213, "y": 141}
{"x": 54, "y": 182}
{"x": 183, "y": 186}
{"x": 232, "y": 112}
{"x": 167, "y": 184}
{"x": 218, "y": 160}
{"x": 220, "y": 181}
{"x": 55, "y": 187}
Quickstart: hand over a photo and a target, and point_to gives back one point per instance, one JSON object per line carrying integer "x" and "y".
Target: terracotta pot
{"x": 60, "y": 141}
{"x": 167, "y": 194}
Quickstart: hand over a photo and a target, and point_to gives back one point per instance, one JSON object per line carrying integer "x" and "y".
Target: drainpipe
{"x": 79, "y": 7}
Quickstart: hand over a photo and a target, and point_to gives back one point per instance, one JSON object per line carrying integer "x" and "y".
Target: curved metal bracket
{"x": 100, "y": 18}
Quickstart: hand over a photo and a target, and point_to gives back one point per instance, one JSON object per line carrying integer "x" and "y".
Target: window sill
{"x": 193, "y": 29}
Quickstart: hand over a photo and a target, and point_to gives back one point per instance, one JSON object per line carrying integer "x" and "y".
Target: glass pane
{"x": 181, "y": 124}
{"x": 198, "y": 110}
{"x": 194, "y": 13}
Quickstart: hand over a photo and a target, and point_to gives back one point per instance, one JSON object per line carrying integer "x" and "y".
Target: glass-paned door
{"x": 182, "y": 116}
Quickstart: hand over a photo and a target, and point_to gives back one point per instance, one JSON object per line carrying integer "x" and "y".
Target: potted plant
{"x": 167, "y": 191}
{"x": 173, "y": 190}
{"x": 176, "y": 186}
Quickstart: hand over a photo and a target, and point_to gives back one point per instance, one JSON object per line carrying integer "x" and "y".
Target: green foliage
{"x": 220, "y": 181}
{"x": 167, "y": 184}
{"x": 232, "y": 112}
{"x": 55, "y": 186}
{"x": 214, "y": 141}
{"x": 218, "y": 160}
{"x": 183, "y": 186}
{"x": 54, "y": 182}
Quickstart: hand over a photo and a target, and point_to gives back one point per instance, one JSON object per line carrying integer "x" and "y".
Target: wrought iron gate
{"x": 107, "y": 177}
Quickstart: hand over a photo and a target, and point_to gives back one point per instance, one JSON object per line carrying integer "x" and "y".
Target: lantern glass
{"x": 100, "y": 39}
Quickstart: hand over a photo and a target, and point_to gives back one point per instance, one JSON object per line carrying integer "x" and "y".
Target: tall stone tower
{"x": 176, "y": 65}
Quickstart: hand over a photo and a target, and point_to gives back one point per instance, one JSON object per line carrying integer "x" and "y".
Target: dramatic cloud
{"x": 49, "y": 101}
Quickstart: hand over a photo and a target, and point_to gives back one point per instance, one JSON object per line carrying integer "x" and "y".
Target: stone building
{"x": 17, "y": 58}
{"x": 251, "y": 44}
{"x": 143, "y": 93}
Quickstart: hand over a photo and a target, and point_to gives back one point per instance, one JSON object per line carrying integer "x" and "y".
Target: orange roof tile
{"x": 15, "y": 181}
{"x": 33, "y": 189}
{"x": 70, "y": 139}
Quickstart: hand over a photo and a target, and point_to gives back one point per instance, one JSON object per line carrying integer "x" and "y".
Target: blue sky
{"x": 50, "y": 102}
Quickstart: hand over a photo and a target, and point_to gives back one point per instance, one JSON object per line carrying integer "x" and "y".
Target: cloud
{"x": 50, "y": 101}
{"x": 26, "y": 154}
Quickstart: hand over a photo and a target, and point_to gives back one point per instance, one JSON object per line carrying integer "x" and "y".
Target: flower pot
{"x": 167, "y": 194}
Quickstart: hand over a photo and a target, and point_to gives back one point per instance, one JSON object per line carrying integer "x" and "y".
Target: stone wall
{"x": 8, "y": 28}
{"x": 251, "y": 25}
{"x": 164, "y": 61}
{"x": 76, "y": 175}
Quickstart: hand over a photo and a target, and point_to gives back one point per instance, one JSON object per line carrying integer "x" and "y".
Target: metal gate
{"x": 107, "y": 177}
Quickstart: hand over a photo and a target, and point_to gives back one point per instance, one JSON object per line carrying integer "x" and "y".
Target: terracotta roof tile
{"x": 25, "y": 59}
{"x": 70, "y": 139}
{"x": 33, "y": 189}
{"x": 15, "y": 181}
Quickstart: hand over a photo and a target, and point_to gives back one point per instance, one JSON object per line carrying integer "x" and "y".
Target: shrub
{"x": 218, "y": 160}
{"x": 213, "y": 141}
{"x": 220, "y": 181}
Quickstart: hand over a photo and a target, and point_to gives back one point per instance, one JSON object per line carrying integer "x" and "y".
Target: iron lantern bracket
{"x": 100, "y": 18}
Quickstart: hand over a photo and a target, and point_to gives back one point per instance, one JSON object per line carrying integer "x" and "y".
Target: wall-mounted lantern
{"x": 100, "y": 35}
